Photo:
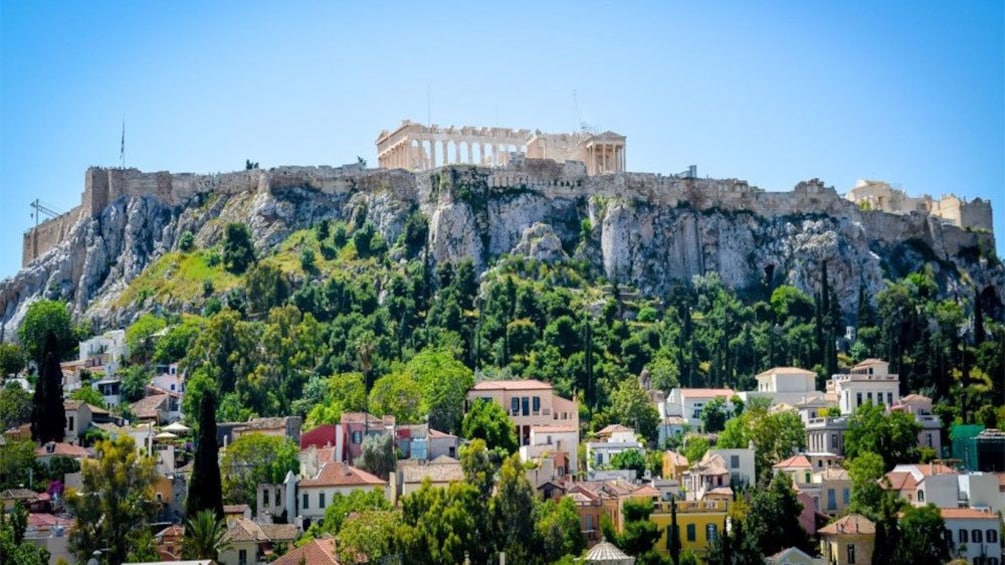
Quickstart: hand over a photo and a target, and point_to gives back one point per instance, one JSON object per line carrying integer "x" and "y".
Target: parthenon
{"x": 418, "y": 147}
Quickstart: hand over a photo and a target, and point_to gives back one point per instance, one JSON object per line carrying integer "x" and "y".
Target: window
{"x": 992, "y": 536}
{"x": 846, "y": 496}
{"x": 321, "y": 500}
{"x": 734, "y": 461}
{"x": 306, "y": 501}
{"x": 671, "y": 533}
{"x": 537, "y": 404}
{"x": 889, "y": 398}
{"x": 869, "y": 397}
{"x": 691, "y": 535}
{"x": 525, "y": 404}
{"x": 858, "y": 399}
{"x": 977, "y": 536}
{"x": 928, "y": 439}
{"x": 921, "y": 496}
{"x": 992, "y": 561}
{"x": 589, "y": 522}
{"x": 831, "y": 500}
{"x": 242, "y": 557}
{"x": 834, "y": 441}
{"x": 851, "y": 553}
{"x": 964, "y": 538}
{"x": 514, "y": 405}
{"x": 357, "y": 437}
{"x": 710, "y": 533}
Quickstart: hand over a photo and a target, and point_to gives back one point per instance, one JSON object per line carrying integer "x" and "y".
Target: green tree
{"x": 187, "y": 241}
{"x": 267, "y": 286}
{"x": 15, "y": 406}
{"x": 487, "y": 420}
{"x": 254, "y": 459}
{"x": 633, "y": 459}
{"x": 88, "y": 395}
{"x": 713, "y": 416}
{"x": 867, "y": 494}
{"x": 45, "y": 317}
{"x": 368, "y": 536}
{"x": 776, "y": 435}
{"x": 444, "y": 382}
{"x": 12, "y": 359}
{"x": 343, "y": 392}
{"x": 48, "y": 415}
{"x": 205, "y": 536}
{"x": 205, "y": 491}
{"x": 630, "y": 405}
{"x": 173, "y": 346}
{"x": 514, "y": 497}
{"x": 921, "y": 537}
{"x": 398, "y": 395}
{"x": 893, "y": 436}
{"x": 695, "y": 448}
{"x": 139, "y": 337}
{"x": 115, "y": 503}
{"x": 13, "y": 547}
{"x": 238, "y": 249}
{"x": 639, "y": 534}
{"x": 772, "y": 521}
{"x": 378, "y": 455}
{"x": 557, "y": 525}
{"x": 342, "y": 506}
{"x": 17, "y": 459}
{"x": 135, "y": 379}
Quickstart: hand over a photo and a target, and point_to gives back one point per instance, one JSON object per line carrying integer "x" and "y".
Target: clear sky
{"x": 912, "y": 93}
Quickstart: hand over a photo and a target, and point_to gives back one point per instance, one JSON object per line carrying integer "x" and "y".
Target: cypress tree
{"x": 979, "y": 335}
{"x": 47, "y": 412}
{"x": 205, "y": 491}
{"x": 674, "y": 540}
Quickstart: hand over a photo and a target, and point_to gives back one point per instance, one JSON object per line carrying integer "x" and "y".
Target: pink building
{"x": 528, "y": 403}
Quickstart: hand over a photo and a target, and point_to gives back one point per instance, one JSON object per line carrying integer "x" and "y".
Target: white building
{"x": 975, "y": 534}
{"x": 739, "y": 463}
{"x": 107, "y": 350}
{"x": 868, "y": 382}
{"x": 600, "y": 453}
{"x": 315, "y": 493}
{"x": 688, "y": 403}
{"x": 785, "y": 385}
{"x": 550, "y": 439}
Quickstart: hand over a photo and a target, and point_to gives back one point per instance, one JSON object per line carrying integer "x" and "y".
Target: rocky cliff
{"x": 640, "y": 230}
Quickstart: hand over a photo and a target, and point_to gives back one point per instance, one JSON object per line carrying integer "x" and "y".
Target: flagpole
{"x": 122, "y": 146}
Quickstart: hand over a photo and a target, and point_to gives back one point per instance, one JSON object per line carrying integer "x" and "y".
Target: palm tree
{"x": 205, "y": 537}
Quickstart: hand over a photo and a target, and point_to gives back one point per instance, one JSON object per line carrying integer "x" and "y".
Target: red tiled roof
{"x": 901, "y": 480}
{"x": 47, "y": 521}
{"x": 795, "y": 462}
{"x": 966, "y": 513}
{"x": 149, "y": 408}
{"x": 338, "y": 474}
{"x": 318, "y": 551}
{"x": 929, "y": 469}
{"x": 522, "y": 384}
{"x": 67, "y": 449}
{"x": 852, "y": 524}
{"x": 235, "y": 508}
{"x": 869, "y": 362}
{"x": 172, "y": 531}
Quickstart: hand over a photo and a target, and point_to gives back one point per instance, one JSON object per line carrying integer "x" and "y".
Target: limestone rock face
{"x": 540, "y": 242}
{"x": 646, "y": 240}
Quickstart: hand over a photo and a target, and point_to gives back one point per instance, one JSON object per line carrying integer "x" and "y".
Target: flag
{"x": 122, "y": 146}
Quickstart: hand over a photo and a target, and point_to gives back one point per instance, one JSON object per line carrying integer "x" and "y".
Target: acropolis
{"x": 417, "y": 147}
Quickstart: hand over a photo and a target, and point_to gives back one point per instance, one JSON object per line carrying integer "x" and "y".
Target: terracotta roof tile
{"x": 966, "y": 513}
{"x": 338, "y": 474}
{"x": 318, "y": 551}
{"x": 795, "y": 462}
{"x": 149, "y": 407}
{"x": 520, "y": 384}
{"x": 67, "y": 449}
{"x": 852, "y": 524}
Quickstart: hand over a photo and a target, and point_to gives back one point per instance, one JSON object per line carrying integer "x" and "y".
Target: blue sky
{"x": 912, "y": 93}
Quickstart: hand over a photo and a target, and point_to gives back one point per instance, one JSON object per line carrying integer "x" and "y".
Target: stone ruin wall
{"x": 568, "y": 180}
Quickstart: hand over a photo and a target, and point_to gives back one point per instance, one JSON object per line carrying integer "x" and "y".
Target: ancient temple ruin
{"x": 418, "y": 147}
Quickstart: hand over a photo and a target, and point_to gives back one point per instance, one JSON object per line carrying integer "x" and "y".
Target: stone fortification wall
{"x": 569, "y": 180}
{"x": 49, "y": 234}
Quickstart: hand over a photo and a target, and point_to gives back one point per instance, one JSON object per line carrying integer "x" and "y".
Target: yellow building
{"x": 699, "y": 523}
{"x": 674, "y": 465}
{"x": 848, "y": 541}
